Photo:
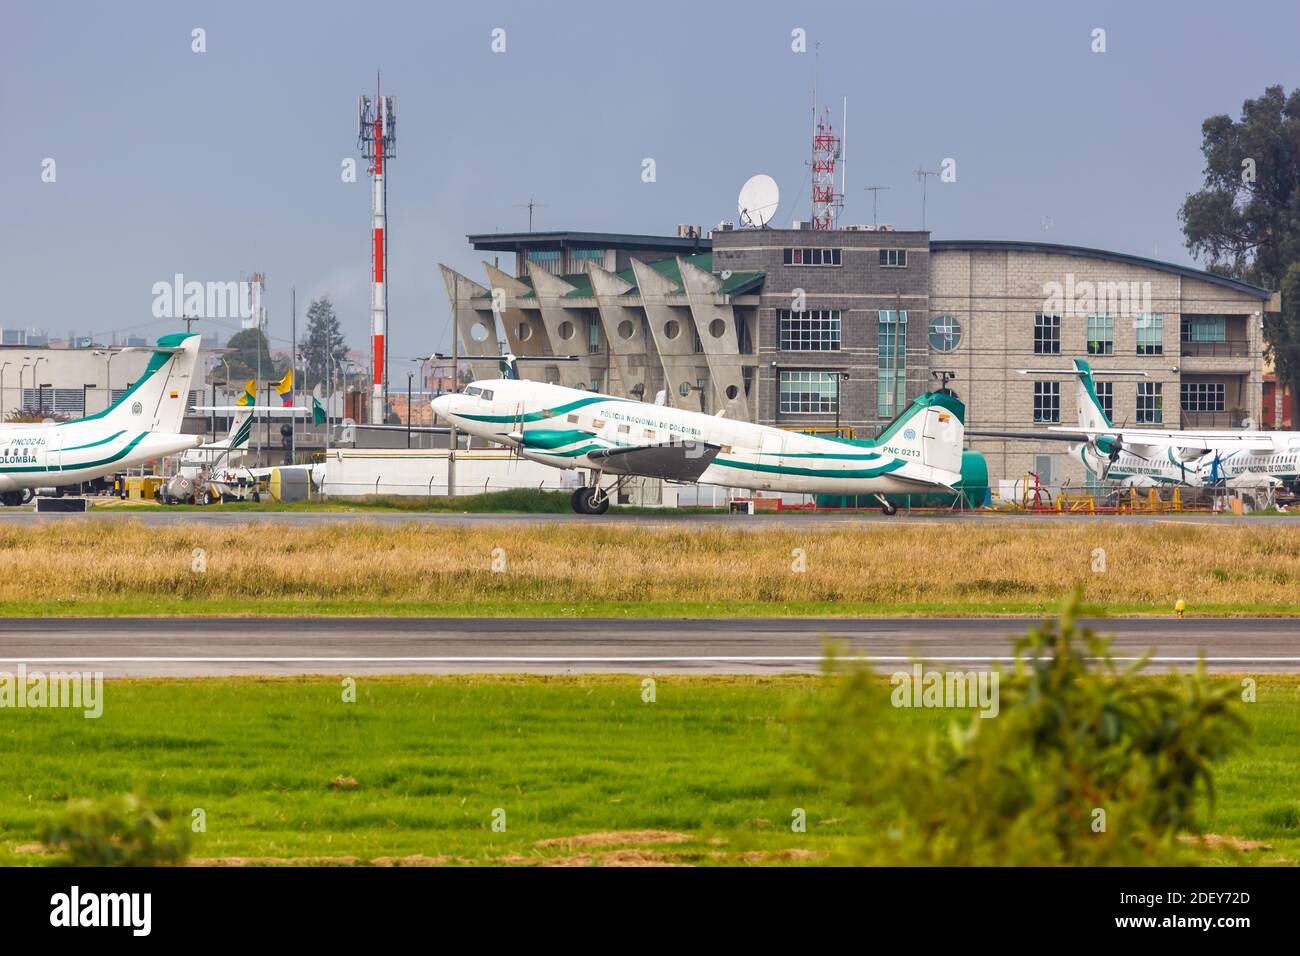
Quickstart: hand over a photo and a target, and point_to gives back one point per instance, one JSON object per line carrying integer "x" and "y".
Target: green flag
{"x": 317, "y": 412}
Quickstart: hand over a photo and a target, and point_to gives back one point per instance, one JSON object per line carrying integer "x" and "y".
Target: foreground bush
{"x": 119, "y": 831}
{"x": 1084, "y": 764}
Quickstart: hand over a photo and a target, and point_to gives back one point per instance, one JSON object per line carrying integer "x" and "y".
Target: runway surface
{"x": 786, "y": 520}
{"x": 220, "y": 646}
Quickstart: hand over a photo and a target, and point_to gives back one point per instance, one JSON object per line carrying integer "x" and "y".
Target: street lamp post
{"x": 3, "y": 366}
{"x": 22, "y": 399}
{"x": 840, "y": 378}
{"x": 410, "y": 376}
{"x": 40, "y": 404}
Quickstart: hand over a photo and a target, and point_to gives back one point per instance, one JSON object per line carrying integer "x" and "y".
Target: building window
{"x": 548, "y": 259}
{"x": 580, "y": 256}
{"x": 1203, "y": 328}
{"x": 1106, "y": 396}
{"x": 593, "y": 333}
{"x": 814, "y": 330}
{"x": 1047, "y": 402}
{"x": 812, "y": 257}
{"x": 945, "y": 333}
{"x": 1151, "y": 334}
{"x": 1101, "y": 335}
{"x": 1047, "y": 334}
{"x": 807, "y": 391}
{"x": 1150, "y": 403}
{"x": 893, "y": 258}
{"x": 891, "y": 365}
{"x": 1201, "y": 396}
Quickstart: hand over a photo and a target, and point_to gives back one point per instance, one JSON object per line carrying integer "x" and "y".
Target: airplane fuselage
{"x": 55, "y": 455}
{"x": 562, "y": 427}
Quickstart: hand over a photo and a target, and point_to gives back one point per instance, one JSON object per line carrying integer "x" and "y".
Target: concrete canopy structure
{"x": 817, "y": 329}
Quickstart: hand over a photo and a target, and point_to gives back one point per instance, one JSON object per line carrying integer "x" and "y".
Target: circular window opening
{"x": 626, "y": 328}
{"x": 945, "y": 333}
{"x": 672, "y": 329}
{"x": 732, "y": 392}
{"x": 717, "y": 328}
{"x": 566, "y": 330}
{"x": 478, "y": 332}
{"x": 524, "y": 331}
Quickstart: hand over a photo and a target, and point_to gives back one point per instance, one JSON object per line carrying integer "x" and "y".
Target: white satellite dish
{"x": 759, "y": 198}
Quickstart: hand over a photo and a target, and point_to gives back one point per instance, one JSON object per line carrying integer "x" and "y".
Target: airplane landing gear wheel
{"x": 887, "y": 507}
{"x": 585, "y": 503}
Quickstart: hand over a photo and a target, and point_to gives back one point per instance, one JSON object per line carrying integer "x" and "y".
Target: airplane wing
{"x": 675, "y": 461}
{"x": 1205, "y": 441}
{"x": 1075, "y": 437}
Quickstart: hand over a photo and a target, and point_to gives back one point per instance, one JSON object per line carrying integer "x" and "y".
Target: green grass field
{"x": 708, "y": 766}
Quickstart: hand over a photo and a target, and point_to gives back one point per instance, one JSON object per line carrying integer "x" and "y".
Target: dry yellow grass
{"x": 129, "y": 567}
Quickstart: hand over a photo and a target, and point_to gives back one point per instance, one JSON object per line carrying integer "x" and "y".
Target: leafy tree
{"x": 1024, "y": 787}
{"x": 323, "y": 347}
{"x": 243, "y": 360}
{"x": 1246, "y": 220}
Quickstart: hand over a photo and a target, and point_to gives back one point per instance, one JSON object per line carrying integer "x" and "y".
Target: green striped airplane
{"x": 144, "y": 424}
{"x": 919, "y": 452}
{"x": 1148, "y": 456}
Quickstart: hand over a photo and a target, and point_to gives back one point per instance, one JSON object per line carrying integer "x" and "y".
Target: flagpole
{"x": 293, "y": 377}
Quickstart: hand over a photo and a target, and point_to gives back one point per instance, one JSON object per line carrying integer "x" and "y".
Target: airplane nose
{"x": 441, "y": 407}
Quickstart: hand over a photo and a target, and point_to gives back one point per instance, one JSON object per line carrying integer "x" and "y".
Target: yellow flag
{"x": 286, "y": 383}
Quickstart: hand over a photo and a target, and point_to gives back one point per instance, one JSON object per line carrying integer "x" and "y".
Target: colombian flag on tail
{"x": 249, "y": 398}
{"x": 285, "y": 388}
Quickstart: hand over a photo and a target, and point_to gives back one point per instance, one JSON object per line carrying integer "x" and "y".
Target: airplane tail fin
{"x": 931, "y": 430}
{"x": 1091, "y": 414}
{"x": 157, "y": 400}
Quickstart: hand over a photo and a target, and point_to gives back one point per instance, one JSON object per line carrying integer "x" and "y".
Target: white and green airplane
{"x": 1146, "y": 457}
{"x": 920, "y": 452}
{"x": 144, "y": 424}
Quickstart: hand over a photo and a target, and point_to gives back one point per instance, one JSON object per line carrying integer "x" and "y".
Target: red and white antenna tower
{"x": 826, "y": 201}
{"x": 377, "y": 140}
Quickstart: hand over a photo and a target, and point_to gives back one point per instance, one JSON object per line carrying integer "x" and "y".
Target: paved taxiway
{"x": 212, "y": 646}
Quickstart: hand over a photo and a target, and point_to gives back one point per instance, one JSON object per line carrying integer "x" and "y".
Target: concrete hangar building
{"x": 803, "y": 328}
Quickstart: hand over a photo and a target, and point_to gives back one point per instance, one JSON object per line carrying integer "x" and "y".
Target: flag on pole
{"x": 318, "y": 416}
{"x": 250, "y": 395}
{"x": 285, "y": 388}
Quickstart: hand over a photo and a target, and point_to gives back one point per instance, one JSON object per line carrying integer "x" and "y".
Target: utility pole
{"x": 924, "y": 175}
{"x": 875, "y": 194}
{"x": 455, "y": 376}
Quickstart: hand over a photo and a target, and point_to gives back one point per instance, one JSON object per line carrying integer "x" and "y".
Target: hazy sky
{"x": 223, "y": 163}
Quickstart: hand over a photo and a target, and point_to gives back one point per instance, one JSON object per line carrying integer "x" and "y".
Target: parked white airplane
{"x": 1144, "y": 457}
{"x": 920, "y": 452}
{"x": 144, "y": 424}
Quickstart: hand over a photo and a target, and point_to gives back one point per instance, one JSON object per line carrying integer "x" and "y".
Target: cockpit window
{"x": 473, "y": 390}
{"x": 487, "y": 394}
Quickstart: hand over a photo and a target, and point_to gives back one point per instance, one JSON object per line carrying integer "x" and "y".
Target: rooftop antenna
{"x": 530, "y": 206}
{"x": 875, "y": 193}
{"x": 758, "y": 200}
{"x": 924, "y": 175}
{"x": 844, "y": 156}
{"x": 825, "y": 154}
